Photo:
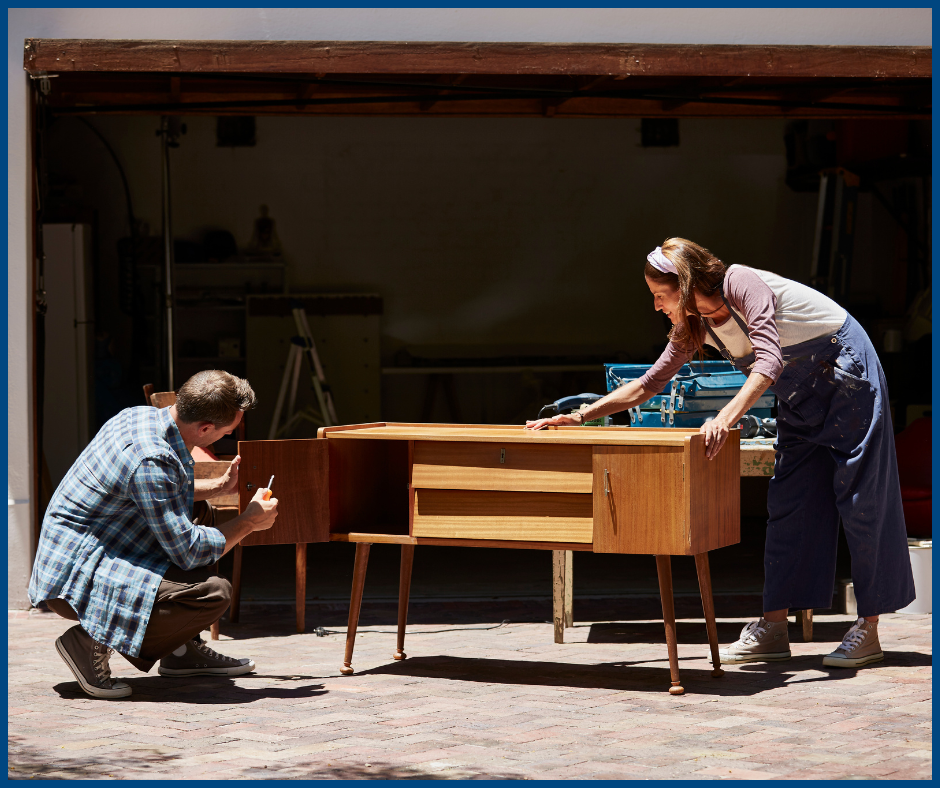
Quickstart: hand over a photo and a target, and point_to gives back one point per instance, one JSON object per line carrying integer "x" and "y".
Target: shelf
{"x": 202, "y": 359}
{"x": 207, "y": 266}
{"x": 215, "y": 307}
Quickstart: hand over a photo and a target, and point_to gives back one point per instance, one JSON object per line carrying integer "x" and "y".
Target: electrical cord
{"x": 321, "y": 632}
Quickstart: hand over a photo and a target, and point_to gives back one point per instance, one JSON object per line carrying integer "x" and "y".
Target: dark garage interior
{"x": 468, "y": 239}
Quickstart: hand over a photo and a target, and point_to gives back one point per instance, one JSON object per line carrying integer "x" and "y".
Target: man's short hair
{"x": 213, "y": 395}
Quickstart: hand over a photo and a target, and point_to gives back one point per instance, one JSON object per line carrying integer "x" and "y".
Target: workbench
{"x": 605, "y": 489}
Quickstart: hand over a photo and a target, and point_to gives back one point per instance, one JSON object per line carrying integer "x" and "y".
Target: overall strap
{"x": 725, "y": 353}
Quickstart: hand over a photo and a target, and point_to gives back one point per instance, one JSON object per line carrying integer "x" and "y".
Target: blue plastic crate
{"x": 698, "y": 391}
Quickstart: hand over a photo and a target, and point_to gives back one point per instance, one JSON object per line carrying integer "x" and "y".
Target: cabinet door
{"x": 301, "y": 486}
{"x": 639, "y": 500}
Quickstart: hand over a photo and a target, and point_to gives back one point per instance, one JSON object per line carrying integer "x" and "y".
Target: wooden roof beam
{"x": 376, "y": 57}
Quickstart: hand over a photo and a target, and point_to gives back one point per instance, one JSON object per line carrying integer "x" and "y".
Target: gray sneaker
{"x": 88, "y": 661}
{"x": 200, "y": 660}
{"x": 760, "y": 641}
{"x": 859, "y": 647}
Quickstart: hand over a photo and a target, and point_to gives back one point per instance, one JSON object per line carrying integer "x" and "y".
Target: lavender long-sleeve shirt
{"x": 751, "y": 297}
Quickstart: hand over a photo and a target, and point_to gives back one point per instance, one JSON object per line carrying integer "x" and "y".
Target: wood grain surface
{"x": 301, "y": 486}
{"x": 642, "y": 510}
{"x": 613, "y": 436}
{"x": 490, "y": 466}
{"x": 209, "y": 469}
{"x": 430, "y": 57}
{"x": 713, "y": 493}
{"x": 519, "y": 516}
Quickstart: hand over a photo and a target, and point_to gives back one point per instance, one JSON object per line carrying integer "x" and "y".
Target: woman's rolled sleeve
{"x": 654, "y": 380}
{"x": 754, "y": 299}
{"x": 162, "y": 497}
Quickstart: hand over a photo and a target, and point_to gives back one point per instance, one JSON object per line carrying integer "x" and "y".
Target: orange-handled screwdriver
{"x": 267, "y": 495}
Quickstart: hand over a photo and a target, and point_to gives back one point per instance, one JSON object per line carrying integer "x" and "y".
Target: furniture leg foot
{"x": 214, "y": 630}
{"x": 664, "y": 570}
{"x": 807, "y": 626}
{"x": 355, "y": 603}
{"x": 404, "y": 590}
{"x": 708, "y": 607}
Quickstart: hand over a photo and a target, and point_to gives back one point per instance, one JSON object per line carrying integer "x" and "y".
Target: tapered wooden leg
{"x": 558, "y": 594}
{"x": 807, "y": 618}
{"x": 404, "y": 589}
{"x": 708, "y": 606}
{"x": 355, "y": 603}
{"x": 569, "y": 588}
{"x": 214, "y": 626}
{"x": 301, "y": 584}
{"x": 236, "y": 583}
{"x": 664, "y": 570}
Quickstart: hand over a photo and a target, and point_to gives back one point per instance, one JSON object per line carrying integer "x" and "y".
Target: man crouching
{"x": 121, "y": 553}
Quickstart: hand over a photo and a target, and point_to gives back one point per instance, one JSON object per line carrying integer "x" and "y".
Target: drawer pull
{"x": 606, "y": 482}
{"x": 502, "y": 456}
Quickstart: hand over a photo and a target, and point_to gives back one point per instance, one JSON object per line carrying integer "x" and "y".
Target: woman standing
{"x": 835, "y": 452}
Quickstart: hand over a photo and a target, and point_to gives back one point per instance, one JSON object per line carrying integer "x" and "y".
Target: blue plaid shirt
{"x": 117, "y": 521}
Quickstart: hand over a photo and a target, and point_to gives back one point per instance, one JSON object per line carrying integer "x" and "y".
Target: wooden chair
{"x": 227, "y": 509}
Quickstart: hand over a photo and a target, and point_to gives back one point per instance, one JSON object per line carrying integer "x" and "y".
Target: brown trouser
{"x": 187, "y": 603}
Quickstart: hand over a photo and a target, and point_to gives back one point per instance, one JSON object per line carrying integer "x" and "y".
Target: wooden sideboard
{"x": 609, "y": 490}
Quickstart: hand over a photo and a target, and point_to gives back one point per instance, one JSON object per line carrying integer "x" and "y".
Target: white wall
{"x": 705, "y": 26}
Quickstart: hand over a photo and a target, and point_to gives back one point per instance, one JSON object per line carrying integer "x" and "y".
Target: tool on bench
{"x": 302, "y": 344}
{"x": 573, "y": 404}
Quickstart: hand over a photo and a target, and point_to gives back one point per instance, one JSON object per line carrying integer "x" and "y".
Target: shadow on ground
{"x": 752, "y": 679}
{"x": 207, "y": 690}
{"x": 25, "y": 762}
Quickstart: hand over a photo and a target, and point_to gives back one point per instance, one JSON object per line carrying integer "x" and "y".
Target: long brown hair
{"x": 697, "y": 269}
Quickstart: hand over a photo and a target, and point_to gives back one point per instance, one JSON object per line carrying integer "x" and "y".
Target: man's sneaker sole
{"x": 119, "y": 690}
{"x": 845, "y": 662}
{"x": 240, "y": 670}
{"x": 774, "y": 656}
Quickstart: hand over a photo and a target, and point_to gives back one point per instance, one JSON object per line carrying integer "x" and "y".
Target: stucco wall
{"x": 705, "y": 26}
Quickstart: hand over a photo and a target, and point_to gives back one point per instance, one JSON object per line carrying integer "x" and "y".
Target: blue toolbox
{"x": 696, "y": 393}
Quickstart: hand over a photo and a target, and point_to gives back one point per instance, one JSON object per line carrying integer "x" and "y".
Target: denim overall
{"x": 834, "y": 457}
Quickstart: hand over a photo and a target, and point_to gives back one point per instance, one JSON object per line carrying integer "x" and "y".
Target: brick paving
{"x": 503, "y": 703}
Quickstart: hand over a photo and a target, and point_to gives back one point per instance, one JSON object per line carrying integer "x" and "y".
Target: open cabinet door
{"x": 301, "y": 486}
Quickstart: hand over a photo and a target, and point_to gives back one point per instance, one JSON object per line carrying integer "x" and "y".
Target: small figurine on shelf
{"x": 264, "y": 241}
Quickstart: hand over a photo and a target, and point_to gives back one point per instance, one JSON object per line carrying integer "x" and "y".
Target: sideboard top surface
{"x": 488, "y": 433}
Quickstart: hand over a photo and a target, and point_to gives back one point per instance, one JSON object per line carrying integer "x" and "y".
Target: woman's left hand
{"x": 716, "y": 433}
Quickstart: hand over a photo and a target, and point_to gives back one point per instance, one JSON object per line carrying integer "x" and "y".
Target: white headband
{"x": 660, "y": 262}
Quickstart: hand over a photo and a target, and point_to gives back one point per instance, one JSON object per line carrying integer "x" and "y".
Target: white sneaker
{"x": 859, "y": 647}
{"x": 760, "y": 641}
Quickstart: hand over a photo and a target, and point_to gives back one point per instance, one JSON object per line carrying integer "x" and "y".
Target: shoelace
{"x": 100, "y": 663}
{"x": 202, "y": 647}
{"x": 853, "y": 638}
{"x": 752, "y": 632}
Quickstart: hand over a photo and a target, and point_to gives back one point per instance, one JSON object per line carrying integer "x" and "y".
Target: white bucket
{"x": 921, "y": 554}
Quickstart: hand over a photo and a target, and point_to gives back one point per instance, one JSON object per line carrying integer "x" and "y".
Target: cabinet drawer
{"x": 518, "y": 467}
{"x": 512, "y": 515}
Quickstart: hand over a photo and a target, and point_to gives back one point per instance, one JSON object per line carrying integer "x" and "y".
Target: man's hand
{"x": 229, "y": 479}
{"x": 716, "y": 433}
{"x": 561, "y": 420}
{"x": 261, "y": 513}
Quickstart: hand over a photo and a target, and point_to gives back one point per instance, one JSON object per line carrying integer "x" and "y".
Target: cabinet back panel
{"x": 368, "y": 486}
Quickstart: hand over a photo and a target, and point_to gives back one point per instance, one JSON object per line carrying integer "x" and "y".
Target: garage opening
{"x": 464, "y": 227}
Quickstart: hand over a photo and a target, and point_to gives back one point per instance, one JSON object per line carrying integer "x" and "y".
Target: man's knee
{"x": 218, "y": 592}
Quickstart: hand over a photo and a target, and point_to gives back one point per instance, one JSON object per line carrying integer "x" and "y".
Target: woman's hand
{"x": 561, "y": 420}
{"x": 716, "y": 433}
